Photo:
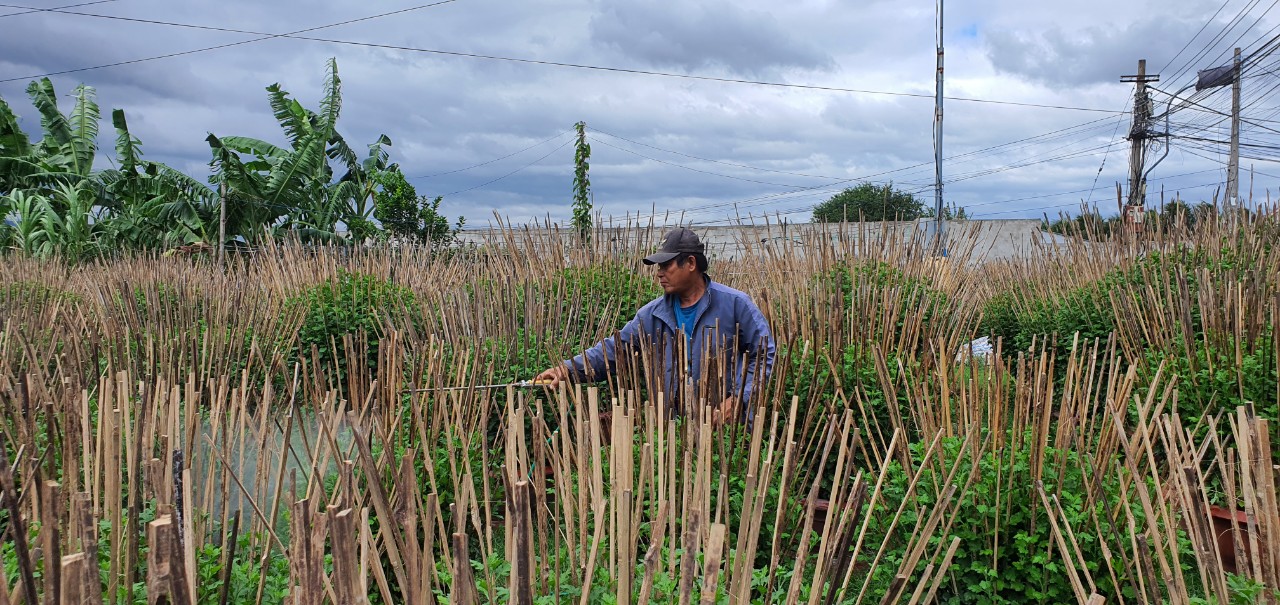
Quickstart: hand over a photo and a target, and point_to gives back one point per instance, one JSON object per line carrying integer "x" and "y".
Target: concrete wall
{"x": 977, "y": 240}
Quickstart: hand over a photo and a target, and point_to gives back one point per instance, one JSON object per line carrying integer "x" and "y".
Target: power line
{"x": 1204, "y": 140}
{"x": 830, "y": 187}
{"x": 1193, "y": 38}
{"x": 1226, "y": 30}
{"x": 680, "y": 153}
{"x": 295, "y": 36}
{"x": 1048, "y": 195}
{"x": 1107, "y": 153}
{"x": 1193, "y": 187}
{"x": 208, "y": 48}
{"x": 727, "y": 176}
{"x": 486, "y": 184}
{"x": 538, "y": 144}
{"x": 44, "y": 10}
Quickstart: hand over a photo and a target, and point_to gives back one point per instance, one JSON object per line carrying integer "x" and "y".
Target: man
{"x": 695, "y": 324}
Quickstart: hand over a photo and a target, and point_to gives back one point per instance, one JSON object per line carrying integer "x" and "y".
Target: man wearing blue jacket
{"x": 712, "y": 338}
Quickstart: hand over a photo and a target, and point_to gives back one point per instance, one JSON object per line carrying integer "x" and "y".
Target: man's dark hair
{"x": 699, "y": 259}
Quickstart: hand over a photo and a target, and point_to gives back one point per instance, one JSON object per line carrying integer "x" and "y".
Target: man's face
{"x": 676, "y": 277}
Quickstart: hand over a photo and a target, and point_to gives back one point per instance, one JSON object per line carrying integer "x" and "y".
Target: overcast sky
{"x": 711, "y": 149}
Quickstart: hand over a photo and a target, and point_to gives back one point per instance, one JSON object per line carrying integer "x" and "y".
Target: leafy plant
{"x": 869, "y": 202}
{"x": 350, "y": 304}
{"x": 1007, "y": 553}
{"x": 293, "y": 190}
{"x": 408, "y": 217}
{"x": 582, "y": 183}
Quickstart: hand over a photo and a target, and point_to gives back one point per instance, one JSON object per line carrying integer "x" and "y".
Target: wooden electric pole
{"x": 1139, "y": 133}
{"x": 1233, "y": 162}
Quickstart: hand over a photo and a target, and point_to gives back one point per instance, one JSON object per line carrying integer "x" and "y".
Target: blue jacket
{"x": 729, "y": 330}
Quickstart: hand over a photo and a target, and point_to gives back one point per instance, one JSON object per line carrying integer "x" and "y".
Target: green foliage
{"x": 351, "y": 304}
{"x": 295, "y": 190}
{"x": 34, "y": 295}
{"x": 876, "y": 276}
{"x": 1091, "y": 225}
{"x": 1087, "y": 225}
{"x": 950, "y": 212}
{"x": 1212, "y": 379}
{"x": 1007, "y": 552}
{"x": 582, "y": 183}
{"x": 1086, "y": 310}
{"x": 242, "y": 581}
{"x": 63, "y": 224}
{"x": 869, "y": 202}
{"x": 1213, "y": 382}
{"x": 612, "y": 289}
{"x": 408, "y": 217}
{"x": 64, "y": 207}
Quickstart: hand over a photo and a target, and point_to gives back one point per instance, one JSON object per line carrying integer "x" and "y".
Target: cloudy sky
{"x": 494, "y": 135}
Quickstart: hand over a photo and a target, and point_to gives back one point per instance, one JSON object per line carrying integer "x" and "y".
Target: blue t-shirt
{"x": 685, "y": 316}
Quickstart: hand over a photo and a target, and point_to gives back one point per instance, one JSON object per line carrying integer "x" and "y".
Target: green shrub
{"x": 610, "y": 290}
{"x": 1025, "y": 564}
{"x": 351, "y": 304}
{"x": 1212, "y": 383}
{"x": 912, "y": 292}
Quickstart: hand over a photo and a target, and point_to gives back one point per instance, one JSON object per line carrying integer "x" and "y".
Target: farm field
{"x": 318, "y": 425}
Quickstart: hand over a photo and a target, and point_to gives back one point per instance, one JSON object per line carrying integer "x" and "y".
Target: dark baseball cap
{"x": 677, "y": 242}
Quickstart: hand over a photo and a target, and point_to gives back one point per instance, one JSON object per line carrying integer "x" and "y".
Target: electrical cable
{"x": 680, "y": 153}
{"x": 486, "y": 184}
{"x": 727, "y": 176}
{"x": 30, "y": 10}
{"x": 538, "y": 144}
{"x": 1197, "y": 35}
{"x": 294, "y": 35}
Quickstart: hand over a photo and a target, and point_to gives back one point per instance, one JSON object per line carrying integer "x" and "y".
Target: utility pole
{"x": 939, "y": 241}
{"x": 1233, "y": 163}
{"x": 1138, "y": 134}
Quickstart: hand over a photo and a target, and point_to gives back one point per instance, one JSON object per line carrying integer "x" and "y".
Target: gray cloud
{"x": 1096, "y": 54}
{"x": 700, "y": 35}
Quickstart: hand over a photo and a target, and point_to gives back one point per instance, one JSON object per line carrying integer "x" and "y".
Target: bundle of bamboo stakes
{"x": 650, "y": 517}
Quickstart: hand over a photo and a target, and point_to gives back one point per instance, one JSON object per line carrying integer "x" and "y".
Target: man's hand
{"x": 554, "y": 376}
{"x": 726, "y": 412}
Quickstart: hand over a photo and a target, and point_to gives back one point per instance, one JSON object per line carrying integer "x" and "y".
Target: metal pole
{"x": 1233, "y": 163}
{"x": 937, "y": 149}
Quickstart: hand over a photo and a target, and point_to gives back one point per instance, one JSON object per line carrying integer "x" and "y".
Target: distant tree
{"x": 869, "y": 202}
{"x": 409, "y": 217}
{"x": 1089, "y": 225}
{"x": 949, "y": 213}
{"x": 1177, "y": 210}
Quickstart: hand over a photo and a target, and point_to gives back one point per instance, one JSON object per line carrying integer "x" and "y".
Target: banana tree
{"x": 65, "y": 153}
{"x": 72, "y": 233}
{"x": 43, "y": 231}
{"x": 152, "y": 205}
{"x": 16, "y": 161}
{"x": 292, "y": 190}
{"x": 28, "y": 210}
{"x": 139, "y": 204}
